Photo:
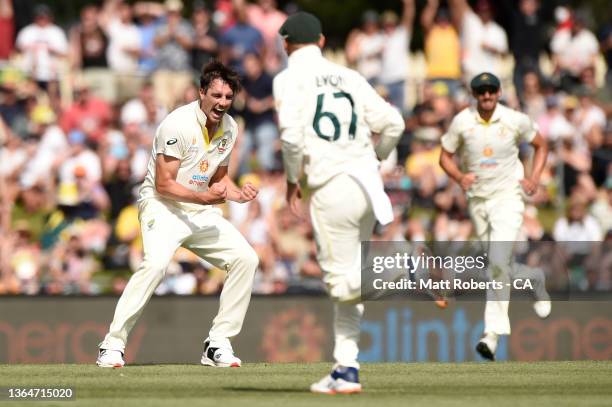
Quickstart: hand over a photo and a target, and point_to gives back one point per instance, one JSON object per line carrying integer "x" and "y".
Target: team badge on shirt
{"x": 203, "y": 165}
{"x": 222, "y": 146}
{"x": 487, "y": 152}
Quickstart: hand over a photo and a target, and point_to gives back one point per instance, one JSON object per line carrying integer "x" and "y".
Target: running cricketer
{"x": 327, "y": 113}
{"x": 487, "y": 140}
{"x": 187, "y": 175}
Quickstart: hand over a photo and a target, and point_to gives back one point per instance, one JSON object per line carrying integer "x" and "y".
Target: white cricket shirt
{"x": 326, "y": 115}
{"x": 490, "y": 149}
{"x": 183, "y": 135}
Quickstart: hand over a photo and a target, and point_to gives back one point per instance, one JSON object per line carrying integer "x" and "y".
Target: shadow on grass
{"x": 266, "y": 390}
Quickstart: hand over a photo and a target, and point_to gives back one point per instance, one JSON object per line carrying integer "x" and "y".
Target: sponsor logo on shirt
{"x": 198, "y": 180}
{"x": 171, "y": 141}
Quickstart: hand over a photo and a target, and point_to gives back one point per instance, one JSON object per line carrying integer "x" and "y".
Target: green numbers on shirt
{"x": 320, "y": 114}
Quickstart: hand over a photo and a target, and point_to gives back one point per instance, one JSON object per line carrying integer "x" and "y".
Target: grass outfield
{"x": 582, "y": 383}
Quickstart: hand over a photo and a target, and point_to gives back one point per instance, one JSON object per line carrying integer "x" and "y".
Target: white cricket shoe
{"x": 110, "y": 358}
{"x": 542, "y": 308}
{"x": 219, "y": 357}
{"x": 342, "y": 380}
{"x": 487, "y": 346}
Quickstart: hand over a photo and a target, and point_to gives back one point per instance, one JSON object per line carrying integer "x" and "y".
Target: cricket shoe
{"x": 487, "y": 345}
{"x": 110, "y": 358}
{"x": 219, "y": 357}
{"x": 342, "y": 380}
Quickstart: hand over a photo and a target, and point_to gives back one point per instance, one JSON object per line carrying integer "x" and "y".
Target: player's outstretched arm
{"x": 233, "y": 193}
{"x": 166, "y": 169}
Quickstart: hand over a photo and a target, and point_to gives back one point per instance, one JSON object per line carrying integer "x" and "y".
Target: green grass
{"x": 541, "y": 384}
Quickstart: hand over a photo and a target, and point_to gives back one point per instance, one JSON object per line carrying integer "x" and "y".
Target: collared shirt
{"x": 490, "y": 149}
{"x": 327, "y": 113}
{"x": 183, "y": 135}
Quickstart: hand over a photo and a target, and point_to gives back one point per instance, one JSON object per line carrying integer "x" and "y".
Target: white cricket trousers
{"x": 342, "y": 217}
{"x": 498, "y": 220}
{"x": 208, "y": 235}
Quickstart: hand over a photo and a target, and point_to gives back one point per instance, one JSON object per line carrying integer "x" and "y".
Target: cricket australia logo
{"x": 222, "y": 146}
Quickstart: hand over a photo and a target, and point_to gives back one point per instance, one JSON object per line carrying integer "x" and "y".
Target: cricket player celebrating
{"x": 187, "y": 175}
{"x": 327, "y": 113}
{"x": 487, "y": 141}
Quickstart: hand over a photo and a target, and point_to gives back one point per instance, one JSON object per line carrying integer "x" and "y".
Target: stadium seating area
{"x": 80, "y": 102}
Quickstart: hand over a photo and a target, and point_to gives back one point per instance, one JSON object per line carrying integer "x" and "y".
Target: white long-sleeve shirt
{"x": 327, "y": 113}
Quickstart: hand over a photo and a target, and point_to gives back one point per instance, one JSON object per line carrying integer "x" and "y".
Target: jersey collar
{"x": 202, "y": 122}
{"x": 494, "y": 118}
{"x": 304, "y": 55}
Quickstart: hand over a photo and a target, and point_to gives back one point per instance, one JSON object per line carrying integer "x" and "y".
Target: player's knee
{"x": 153, "y": 268}
{"x": 249, "y": 258}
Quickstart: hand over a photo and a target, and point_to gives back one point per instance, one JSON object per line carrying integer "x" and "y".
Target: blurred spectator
{"x": 364, "y": 47}
{"x": 442, "y": 46}
{"x": 483, "y": 41}
{"x": 80, "y": 191}
{"x": 144, "y": 111}
{"x": 26, "y": 261}
{"x": 397, "y": 34}
{"x": 43, "y": 44}
{"x": 422, "y": 165}
{"x": 71, "y": 268}
{"x": 574, "y": 50}
{"x": 589, "y": 119}
{"x": 87, "y": 113}
{"x": 605, "y": 38}
{"x": 553, "y": 124}
{"x": 206, "y": 37}
{"x": 527, "y": 29}
{"x": 148, "y": 15}
{"x": 13, "y": 109}
{"x": 265, "y": 17}
{"x": 123, "y": 49}
{"x": 532, "y": 100}
{"x": 121, "y": 188}
{"x": 173, "y": 41}
{"x": 261, "y": 133}
{"x": 239, "y": 40}
{"x": 577, "y": 225}
{"x": 47, "y": 144}
{"x": 13, "y": 158}
{"x": 89, "y": 45}
{"x": 602, "y": 207}
{"x": 7, "y": 29}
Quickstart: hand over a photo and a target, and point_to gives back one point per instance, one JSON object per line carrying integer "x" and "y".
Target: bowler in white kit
{"x": 486, "y": 139}
{"x": 327, "y": 114}
{"x": 187, "y": 175}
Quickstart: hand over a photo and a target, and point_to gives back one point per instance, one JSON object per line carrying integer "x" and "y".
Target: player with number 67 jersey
{"x": 327, "y": 114}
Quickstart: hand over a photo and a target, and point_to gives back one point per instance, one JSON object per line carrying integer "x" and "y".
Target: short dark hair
{"x": 216, "y": 70}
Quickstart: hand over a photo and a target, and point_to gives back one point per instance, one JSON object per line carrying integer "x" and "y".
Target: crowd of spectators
{"x": 80, "y": 103}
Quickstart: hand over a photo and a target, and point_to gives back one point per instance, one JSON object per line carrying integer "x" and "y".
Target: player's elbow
{"x": 161, "y": 185}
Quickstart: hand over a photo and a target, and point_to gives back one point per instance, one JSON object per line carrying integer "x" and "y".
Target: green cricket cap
{"x": 301, "y": 28}
{"x": 485, "y": 79}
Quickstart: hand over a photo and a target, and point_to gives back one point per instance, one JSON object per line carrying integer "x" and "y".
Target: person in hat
{"x": 486, "y": 139}
{"x": 327, "y": 114}
{"x": 43, "y": 44}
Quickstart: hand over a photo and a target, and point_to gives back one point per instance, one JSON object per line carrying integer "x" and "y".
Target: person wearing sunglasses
{"x": 486, "y": 139}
